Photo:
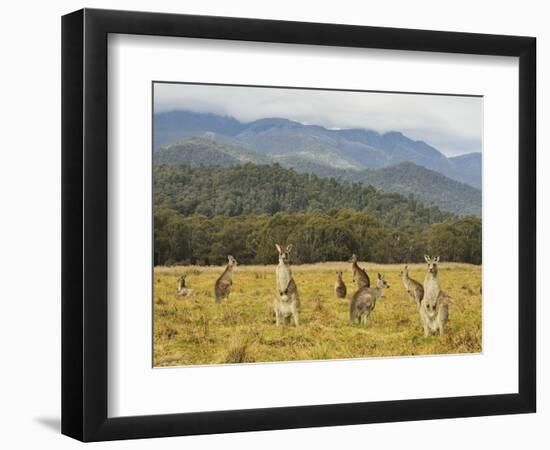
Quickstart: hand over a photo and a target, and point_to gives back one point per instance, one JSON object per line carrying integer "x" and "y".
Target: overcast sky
{"x": 452, "y": 124}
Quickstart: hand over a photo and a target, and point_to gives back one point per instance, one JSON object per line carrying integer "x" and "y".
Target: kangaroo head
{"x": 381, "y": 283}
{"x": 284, "y": 252}
{"x": 231, "y": 261}
{"x": 339, "y": 275}
{"x": 353, "y": 258}
{"x": 405, "y": 271}
{"x": 432, "y": 263}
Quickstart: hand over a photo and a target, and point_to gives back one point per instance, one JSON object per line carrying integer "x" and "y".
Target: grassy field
{"x": 194, "y": 330}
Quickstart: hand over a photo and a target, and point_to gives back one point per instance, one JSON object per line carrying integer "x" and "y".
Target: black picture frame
{"x": 84, "y": 224}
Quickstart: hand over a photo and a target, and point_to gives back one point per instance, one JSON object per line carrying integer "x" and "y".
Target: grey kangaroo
{"x": 364, "y": 300}
{"x": 222, "y": 287}
{"x": 183, "y": 290}
{"x": 287, "y": 301}
{"x": 340, "y": 287}
{"x": 413, "y": 287}
{"x": 360, "y": 275}
{"x": 434, "y": 308}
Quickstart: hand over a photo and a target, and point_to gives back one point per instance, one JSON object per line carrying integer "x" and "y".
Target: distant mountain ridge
{"x": 427, "y": 186}
{"x": 350, "y": 149}
{"x": 470, "y": 167}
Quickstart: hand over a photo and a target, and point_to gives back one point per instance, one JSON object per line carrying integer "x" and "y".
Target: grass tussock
{"x": 238, "y": 349}
{"x": 194, "y": 330}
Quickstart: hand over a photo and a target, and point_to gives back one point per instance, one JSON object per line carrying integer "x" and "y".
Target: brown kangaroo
{"x": 364, "y": 301}
{"x": 183, "y": 290}
{"x": 286, "y": 303}
{"x": 222, "y": 287}
{"x": 360, "y": 275}
{"x": 434, "y": 308}
{"x": 340, "y": 287}
{"x": 413, "y": 287}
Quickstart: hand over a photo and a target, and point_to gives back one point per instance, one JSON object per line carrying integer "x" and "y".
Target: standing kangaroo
{"x": 434, "y": 308}
{"x": 413, "y": 287}
{"x": 359, "y": 275}
{"x": 183, "y": 290}
{"x": 222, "y": 287}
{"x": 287, "y": 301}
{"x": 340, "y": 287}
{"x": 364, "y": 300}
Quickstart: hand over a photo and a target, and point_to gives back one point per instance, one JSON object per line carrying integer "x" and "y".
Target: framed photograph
{"x": 273, "y": 224}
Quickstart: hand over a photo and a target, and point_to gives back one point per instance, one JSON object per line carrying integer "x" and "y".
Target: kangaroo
{"x": 359, "y": 275}
{"x": 434, "y": 308}
{"x": 182, "y": 289}
{"x": 222, "y": 287}
{"x": 413, "y": 287}
{"x": 286, "y": 303}
{"x": 340, "y": 287}
{"x": 364, "y": 300}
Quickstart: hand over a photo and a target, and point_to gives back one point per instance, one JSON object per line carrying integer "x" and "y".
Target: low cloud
{"x": 452, "y": 124}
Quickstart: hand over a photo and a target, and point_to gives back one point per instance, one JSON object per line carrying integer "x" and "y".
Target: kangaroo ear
{"x": 379, "y": 276}
{"x": 406, "y": 266}
{"x": 278, "y": 247}
{"x": 427, "y": 258}
{"x": 436, "y": 259}
{"x": 289, "y": 248}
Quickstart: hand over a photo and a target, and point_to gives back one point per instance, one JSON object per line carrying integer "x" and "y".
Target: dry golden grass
{"x": 194, "y": 330}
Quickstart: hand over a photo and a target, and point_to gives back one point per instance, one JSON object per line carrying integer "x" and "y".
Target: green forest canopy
{"x": 203, "y": 214}
{"x": 269, "y": 189}
{"x": 329, "y": 236}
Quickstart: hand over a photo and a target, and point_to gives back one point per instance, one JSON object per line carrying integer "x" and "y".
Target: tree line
{"x": 331, "y": 235}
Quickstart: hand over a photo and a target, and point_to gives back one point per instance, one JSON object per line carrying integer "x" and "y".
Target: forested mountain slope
{"x": 405, "y": 178}
{"x": 269, "y": 189}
